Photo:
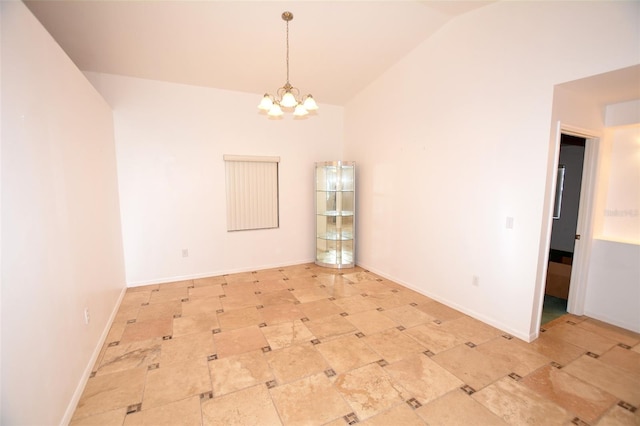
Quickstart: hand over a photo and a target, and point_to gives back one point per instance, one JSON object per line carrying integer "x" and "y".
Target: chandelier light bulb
{"x": 300, "y": 111}
{"x": 288, "y": 100}
{"x": 309, "y": 103}
{"x": 275, "y": 111}
{"x": 266, "y": 103}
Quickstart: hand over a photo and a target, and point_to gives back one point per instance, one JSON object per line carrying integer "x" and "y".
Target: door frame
{"x": 585, "y": 225}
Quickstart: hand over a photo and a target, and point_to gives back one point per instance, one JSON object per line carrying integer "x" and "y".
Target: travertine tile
{"x": 472, "y": 366}
{"x": 456, "y": 408}
{"x": 286, "y": 334}
{"x": 330, "y": 327}
{"x": 611, "y": 332}
{"x": 347, "y": 353}
{"x": 183, "y": 412}
{"x": 135, "y": 297}
{"x": 197, "y": 306}
{"x": 126, "y": 356}
{"x": 309, "y": 294}
{"x": 239, "y": 372}
{"x": 277, "y": 297}
{"x": 173, "y": 382}
{"x": 340, "y": 290}
{"x": 110, "y": 392}
{"x": 517, "y": 405}
{"x": 355, "y": 304}
{"x": 319, "y": 308}
{"x": 269, "y": 275}
{"x": 203, "y": 282}
{"x": 230, "y": 303}
{"x": 145, "y": 330}
{"x": 439, "y": 311}
{"x": 371, "y": 287}
{"x": 295, "y": 362}
{"x": 586, "y": 401}
{"x": 159, "y": 310}
{"x": 393, "y": 345}
{"x": 176, "y": 284}
{"x": 165, "y": 294}
{"x": 270, "y": 285}
{"x": 614, "y": 380}
{"x": 332, "y": 279}
{"x": 251, "y": 406}
{"x": 556, "y": 349}
{"x": 240, "y": 277}
{"x": 238, "y": 341}
{"x": 368, "y": 390}
{"x": 581, "y": 337}
{"x": 309, "y": 401}
{"x": 198, "y": 323}
{"x": 401, "y": 414}
{"x": 407, "y": 316}
{"x": 624, "y": 359}
{"x": 422, "y": 378}
{"x": 471, "y": 330}
{"x": 514, "y": 354}
{"x": 389, "y": 300}
{"x": 434, "y": 337}
{"x": 239, "y": 318}
{"x": 116, "y": 331}
{"x": 618, "y": 416}
{"x": 240, "y": 290}
{"x": 200, "y": 292}
{"x": 277, "y": 314}
{"x": 173, "y": 351}
{"x": 359, "y": 276}
{"x": 109, "y": 418}
{"x": 187, "y": 347}
{"x": 370, "y": 322}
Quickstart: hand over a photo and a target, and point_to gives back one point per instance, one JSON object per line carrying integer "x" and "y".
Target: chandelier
{"x": 287, "y": 98}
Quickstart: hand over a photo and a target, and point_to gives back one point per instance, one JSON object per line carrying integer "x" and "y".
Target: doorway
{"x": 565, "y": 221}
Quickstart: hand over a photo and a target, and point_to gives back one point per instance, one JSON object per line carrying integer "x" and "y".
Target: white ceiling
{"x": 336, "y": 47}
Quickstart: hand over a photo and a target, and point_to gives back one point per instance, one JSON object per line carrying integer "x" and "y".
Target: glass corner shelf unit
{"x": 335, "y": 214}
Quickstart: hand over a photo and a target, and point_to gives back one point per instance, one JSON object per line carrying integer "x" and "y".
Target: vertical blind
{"x": 252, "y": 192}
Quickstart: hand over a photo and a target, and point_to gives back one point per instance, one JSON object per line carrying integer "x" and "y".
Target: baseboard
{"x": 92, "y": 361}
{"x": 480, "y": 317}
{"x": 163, "y": 280}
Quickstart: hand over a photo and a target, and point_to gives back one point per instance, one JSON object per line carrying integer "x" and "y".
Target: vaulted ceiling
{"x": 336, "y": 47}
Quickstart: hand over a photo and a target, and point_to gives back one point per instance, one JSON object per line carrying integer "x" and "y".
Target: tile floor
{"x": 305, "y": 345}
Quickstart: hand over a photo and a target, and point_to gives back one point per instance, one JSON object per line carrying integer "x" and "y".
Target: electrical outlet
{"x": 87, "y": 318}
{"x": 475, "y": 281}
{"x": 185, "y": 252}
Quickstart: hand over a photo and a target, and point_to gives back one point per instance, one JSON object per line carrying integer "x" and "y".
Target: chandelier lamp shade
{"x": 287, "y": 98}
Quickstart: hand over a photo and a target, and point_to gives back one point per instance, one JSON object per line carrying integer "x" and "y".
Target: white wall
{"x": 455, "y": 138}
{"x": 613, "y": 293}
{"x": 61, "y": 236}
{"x": 170, "y": 141}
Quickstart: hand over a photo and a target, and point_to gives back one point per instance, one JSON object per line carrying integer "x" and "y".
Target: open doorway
{"x": 565, "y": 221}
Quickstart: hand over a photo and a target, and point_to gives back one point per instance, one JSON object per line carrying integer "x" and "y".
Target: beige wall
{"x": 61, "y": 236}
{"x": 455, "y": 138}
{"x": 170, "y": 142}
